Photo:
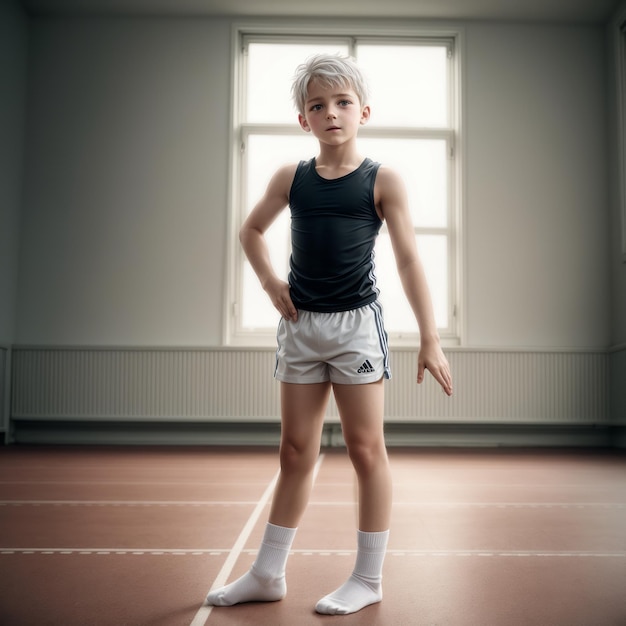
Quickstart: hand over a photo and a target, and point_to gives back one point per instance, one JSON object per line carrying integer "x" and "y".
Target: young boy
{"x": 331, "y": 335}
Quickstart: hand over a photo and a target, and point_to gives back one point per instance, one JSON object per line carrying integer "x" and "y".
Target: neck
{"x": 338, "y": 157}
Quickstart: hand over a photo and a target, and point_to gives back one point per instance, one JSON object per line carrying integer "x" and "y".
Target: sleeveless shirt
{"x": 334, "y": 226}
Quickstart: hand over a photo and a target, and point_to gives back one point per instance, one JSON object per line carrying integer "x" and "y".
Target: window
{"x": 412, "y": 128}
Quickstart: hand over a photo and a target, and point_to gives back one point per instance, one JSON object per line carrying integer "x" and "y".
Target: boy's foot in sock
{"x": 364, "y": 587}
{"x": 355, "y": 594}
{"x": 265, "y": 581}
{"x": 249, "y": 588}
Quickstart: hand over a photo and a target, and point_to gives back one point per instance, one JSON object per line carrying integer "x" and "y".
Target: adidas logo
{"x": 366, "y": 368}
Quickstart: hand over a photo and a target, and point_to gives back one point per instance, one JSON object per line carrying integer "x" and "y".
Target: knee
{"x": 297, "y": 457}
{"x": 367, "y": 456}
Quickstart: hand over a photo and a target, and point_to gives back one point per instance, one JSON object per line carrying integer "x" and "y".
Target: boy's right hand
{"x": 278, "y": 291}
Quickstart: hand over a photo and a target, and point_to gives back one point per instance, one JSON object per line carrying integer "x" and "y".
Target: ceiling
{"x": 577, "y": 11}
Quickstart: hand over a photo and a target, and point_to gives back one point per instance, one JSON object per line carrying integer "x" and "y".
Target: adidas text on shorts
{"x": 347, "y": 347}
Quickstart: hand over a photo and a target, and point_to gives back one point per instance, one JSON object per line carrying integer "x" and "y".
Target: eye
{"x": 345, "y": 103}
{"x": 316, "y": 107}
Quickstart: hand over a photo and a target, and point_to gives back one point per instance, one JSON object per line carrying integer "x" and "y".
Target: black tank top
{"x": 334, "y": 226}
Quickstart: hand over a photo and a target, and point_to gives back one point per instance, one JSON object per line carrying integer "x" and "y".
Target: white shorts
{"x": 348, "y": 348}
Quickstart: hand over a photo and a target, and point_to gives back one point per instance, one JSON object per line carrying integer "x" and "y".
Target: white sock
{"x": 265, "y": 581}
{"x": 364, "y": 587}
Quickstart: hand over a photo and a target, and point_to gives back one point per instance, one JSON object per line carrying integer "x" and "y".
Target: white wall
{"x": 124, "y": 217}
{"x": 537, "y": 266}
{"x": 125, "y": 205}
{"x": 618, "y": 264}
{"x": 13, "y": 59}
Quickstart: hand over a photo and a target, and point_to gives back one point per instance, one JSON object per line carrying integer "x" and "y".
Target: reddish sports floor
{"x": 137, "y": 536}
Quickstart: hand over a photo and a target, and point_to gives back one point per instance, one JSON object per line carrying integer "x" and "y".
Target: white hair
{"x": 330, "y": 70}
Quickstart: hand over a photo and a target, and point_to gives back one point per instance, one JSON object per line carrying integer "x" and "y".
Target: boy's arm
{"x": 252, "y": 239}
{"x": 393, "y": 204}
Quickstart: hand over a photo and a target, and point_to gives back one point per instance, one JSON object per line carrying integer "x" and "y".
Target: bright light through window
{"x": 270, "y": 71}
{"x": 410, "y": 90}
{"x": 399, "y": 317}
{"x": 408, "y": 84}
{"x": 422, "y": 163}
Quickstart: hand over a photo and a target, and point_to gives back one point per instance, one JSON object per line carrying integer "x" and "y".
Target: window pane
{"x": 270, "y": 72}
{"x": 423, "y": 164}
{"x": 433, "y": 250}
{"x": 257, "y": 312}
{"x": 265, "y": 154}
{"x": 399, "y": 317}
{"x": 409, "y": 85}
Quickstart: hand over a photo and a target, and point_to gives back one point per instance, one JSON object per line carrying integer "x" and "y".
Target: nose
{"x": 330, "y": 114}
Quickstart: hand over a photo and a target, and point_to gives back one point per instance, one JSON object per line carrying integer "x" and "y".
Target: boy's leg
{"x": 303, "y": 408}
{"x": 361, "y": 409}
{"x": 302, "y": 418}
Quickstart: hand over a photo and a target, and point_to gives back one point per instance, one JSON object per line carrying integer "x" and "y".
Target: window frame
{"x": 242, "y": 36}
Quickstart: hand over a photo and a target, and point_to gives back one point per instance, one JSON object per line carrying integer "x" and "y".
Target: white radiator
{"x": 567, "y": 388}
{"x": 617, "y": 368}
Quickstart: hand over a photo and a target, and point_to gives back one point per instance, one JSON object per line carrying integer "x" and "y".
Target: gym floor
{"x": 136, "y": 536}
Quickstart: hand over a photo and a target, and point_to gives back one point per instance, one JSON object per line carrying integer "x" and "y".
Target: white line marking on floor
{"x": 510, "y": 553}
{"x": 329, "y": 503}
{"x": 480, "y": 553}
{"x": 127, "y": 502}
{"x": 516, "y": 505}
{"x": 315, "y": 552}
{"x": 95, "y": 481}
{"x": 486, "y": 505}
{"x": 127, "y": 483}
{"x": 103, "y": 551}
{"x": 220, "y": 580}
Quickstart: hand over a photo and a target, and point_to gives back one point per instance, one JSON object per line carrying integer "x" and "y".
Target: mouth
{"x": 333, "y": 128}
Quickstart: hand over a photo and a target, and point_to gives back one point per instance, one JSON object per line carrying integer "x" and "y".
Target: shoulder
{"x": 388, "y": 177}
{"x": 286, "y": 172}
{"x": 282, "y": 179}
{"x": 389, "y": 190}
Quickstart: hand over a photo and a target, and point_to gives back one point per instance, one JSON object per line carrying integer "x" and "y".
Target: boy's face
{"x": 333, "y": 114}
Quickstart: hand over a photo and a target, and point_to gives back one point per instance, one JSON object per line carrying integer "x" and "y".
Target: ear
{"x": 303, "y": 123}
{"x": 365, "y": 114}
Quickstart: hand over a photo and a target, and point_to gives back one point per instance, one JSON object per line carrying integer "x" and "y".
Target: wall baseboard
{"x": 5, "y": 386}
{"x": 397, "y": 434}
